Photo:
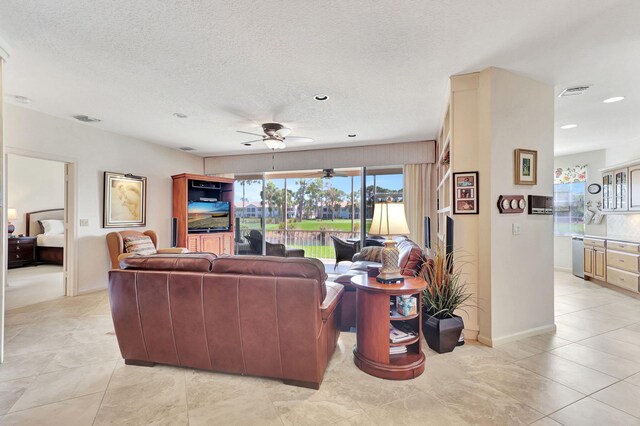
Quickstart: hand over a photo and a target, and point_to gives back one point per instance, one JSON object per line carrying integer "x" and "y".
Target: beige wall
{"x": 33, "y": 184}
{"x": 495, "y": 112}
{"x": 594, "y": 160}
{"x": 375, "y": 155}
{"x": 95, "y": 152}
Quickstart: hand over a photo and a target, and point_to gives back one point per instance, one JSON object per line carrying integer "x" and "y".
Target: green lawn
{"x": 343, "y": 225}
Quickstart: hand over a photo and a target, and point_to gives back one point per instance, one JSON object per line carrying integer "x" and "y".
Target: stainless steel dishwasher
{"x": 577, "y": 251}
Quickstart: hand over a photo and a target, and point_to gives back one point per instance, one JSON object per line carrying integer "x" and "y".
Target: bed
{"x": 50, "y": 245}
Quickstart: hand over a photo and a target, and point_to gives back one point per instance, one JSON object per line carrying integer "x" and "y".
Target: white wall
{"x": 97, "y": 151}
{"x": 495, "y": 112}
{"x": 594, "y": 160}
{"x": 33, "y": 184}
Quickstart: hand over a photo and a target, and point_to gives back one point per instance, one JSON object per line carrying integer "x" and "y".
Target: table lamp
{"x": 12, "y": 214}
{"x": 388, "y": 220}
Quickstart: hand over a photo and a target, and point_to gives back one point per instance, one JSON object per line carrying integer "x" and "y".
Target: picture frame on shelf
{"x": 526, "y": 167}
{"x": 465, "y": 193}
{"x": 124, "y": 201}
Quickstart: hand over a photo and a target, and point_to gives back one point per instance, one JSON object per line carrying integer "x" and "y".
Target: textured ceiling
{"x": 385, "y": 65}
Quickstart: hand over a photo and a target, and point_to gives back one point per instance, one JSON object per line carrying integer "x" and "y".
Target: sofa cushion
{"x": 139, "y": 245}
{"x": 334, "y": 295}
{"x": 273, "y": 266}
{"x": 186, "y": 262}
{"x": 411, "y": 257}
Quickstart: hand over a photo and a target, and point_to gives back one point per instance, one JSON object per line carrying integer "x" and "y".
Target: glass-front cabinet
{"x": 608, "y": 203}
{"x": 621, "y": 186}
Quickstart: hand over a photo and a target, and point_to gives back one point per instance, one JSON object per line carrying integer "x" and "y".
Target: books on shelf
{"x": 394, "y": 350}
{"x": 397, "y": 336}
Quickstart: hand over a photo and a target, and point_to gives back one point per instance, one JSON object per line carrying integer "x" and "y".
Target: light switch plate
{"x": 515, "y": 229}
{"x": 84, "y": 222}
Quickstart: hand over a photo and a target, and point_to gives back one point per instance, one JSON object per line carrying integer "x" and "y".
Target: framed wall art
{"x": 526, "y": 167}
{"x": 125, "y": 200}
{"x": 465, "y": 193}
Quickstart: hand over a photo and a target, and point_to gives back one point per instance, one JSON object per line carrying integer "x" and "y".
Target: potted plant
{"x": 444, "y": 294}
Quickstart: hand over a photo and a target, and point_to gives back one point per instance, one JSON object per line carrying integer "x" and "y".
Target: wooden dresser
{"x": 21, "y": 252}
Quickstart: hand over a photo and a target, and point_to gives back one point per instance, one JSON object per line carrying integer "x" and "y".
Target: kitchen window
{"x": 569, "y": 200}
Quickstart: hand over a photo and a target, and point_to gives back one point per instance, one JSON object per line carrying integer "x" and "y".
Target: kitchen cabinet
{"x": 595, "y": 265}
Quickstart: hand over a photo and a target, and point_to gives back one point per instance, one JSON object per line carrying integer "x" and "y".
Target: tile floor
{"x": 63, "y": 367}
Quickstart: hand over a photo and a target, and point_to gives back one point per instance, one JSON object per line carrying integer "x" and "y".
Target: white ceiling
{"x": 231, "y": 65}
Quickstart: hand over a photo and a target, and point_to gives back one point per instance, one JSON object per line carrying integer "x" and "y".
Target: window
{"x": 568, "y": 200}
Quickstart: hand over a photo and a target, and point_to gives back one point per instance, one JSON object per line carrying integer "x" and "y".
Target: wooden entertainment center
{"x": 194, "y": 188}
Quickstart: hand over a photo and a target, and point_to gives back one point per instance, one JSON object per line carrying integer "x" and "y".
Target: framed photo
{"x": 125, "y": 200}
{"x": 526, "y": 167}
{"x": 465, "y": 193}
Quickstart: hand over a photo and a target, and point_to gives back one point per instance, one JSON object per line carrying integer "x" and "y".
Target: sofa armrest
{"x": 124, "y": 256}
{"x": 275, "y": 249}
{"x": 369, "y": 254}
{"x": 173, "y": 250}
{"x": 334, "y": 296}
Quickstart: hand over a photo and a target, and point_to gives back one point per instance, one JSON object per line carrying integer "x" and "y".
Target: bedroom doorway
{"x": 37, "y": 199}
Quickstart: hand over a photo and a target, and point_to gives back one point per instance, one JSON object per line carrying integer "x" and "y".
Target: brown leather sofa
{"x": 254, "y": 315}
{"x": 410, "y": 261}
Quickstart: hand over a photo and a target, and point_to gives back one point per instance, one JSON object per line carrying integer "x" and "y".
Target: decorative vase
{"x": 442, "y": 334}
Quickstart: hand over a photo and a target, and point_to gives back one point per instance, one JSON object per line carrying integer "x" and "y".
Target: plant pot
{"x": 442, "y": 334}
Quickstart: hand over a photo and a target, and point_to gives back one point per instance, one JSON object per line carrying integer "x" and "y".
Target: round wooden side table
{"x": 371, "y": 353}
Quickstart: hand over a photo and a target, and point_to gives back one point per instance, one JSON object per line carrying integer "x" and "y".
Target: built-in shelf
{"x": 445, "y": 210}
{"x": 395, "y": 316}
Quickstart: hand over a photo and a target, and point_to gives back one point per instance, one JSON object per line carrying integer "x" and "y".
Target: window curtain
{"x": 417, "y": 198}
{"x": 574, "y": 174}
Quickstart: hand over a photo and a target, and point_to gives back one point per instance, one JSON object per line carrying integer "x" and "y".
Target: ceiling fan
{"x": 275, "y": 135}
{"x": 326, "y": 174}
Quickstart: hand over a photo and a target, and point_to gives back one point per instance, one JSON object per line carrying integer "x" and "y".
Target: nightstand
{"x": 22, "y": 251}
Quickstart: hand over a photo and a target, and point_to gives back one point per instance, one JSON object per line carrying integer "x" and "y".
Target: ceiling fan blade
{"x": 298, "y": 139}
{"x": 248, "y": 143}
{"x": 249, "y": 133}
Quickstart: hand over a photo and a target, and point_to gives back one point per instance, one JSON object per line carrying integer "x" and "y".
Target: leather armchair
{"x": 115, "y": 243}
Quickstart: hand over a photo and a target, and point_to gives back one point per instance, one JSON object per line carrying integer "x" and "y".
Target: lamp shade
{"x": 12, "y": 214}
{"x": 389, "y": 219}
{"x": 274, "y": 143}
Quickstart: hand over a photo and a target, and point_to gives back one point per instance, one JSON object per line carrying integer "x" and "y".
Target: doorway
{"x": 35, "y": 245}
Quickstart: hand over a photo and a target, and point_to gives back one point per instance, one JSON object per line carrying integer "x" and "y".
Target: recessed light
{"x": 22, "y": 99}
{"x": 352, "y": 135}
{"x": 179, "y": 115}
{"x": 86, "y": 119}
{"x": 321, "y": 97}
{"x": 614, "y": 99}
{"x": 568, "y": 126}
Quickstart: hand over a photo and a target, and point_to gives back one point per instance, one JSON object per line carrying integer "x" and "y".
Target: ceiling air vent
{"x": 572, "y": 91}
{"x": 86, "y": 119}
{"x": 186, "y": 148}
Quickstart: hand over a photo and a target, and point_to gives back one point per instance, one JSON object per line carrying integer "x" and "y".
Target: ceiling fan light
{"x": 283, "y": 132}
{"x": 273, "y": 143}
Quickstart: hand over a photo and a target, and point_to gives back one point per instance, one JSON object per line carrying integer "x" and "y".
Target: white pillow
{"x": 53, "y": 226}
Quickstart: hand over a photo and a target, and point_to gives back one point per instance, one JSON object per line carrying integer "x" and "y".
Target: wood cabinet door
{"x": 193, "y": 243}
{"x": 227, "y": 243}
{"x": 212, "y": 244}
{"x": 588, "y": 261}
{"x": 600, "y": 265}
{"x": 634, "y": 188}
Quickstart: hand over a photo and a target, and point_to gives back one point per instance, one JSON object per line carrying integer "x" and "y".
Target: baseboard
{"x": 516, "y": 336}
{"x": 557, "y": 268}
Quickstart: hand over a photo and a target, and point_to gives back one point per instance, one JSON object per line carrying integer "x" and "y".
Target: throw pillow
{"x": 52, "y": 226}
{"x": 139, "y": 245}
{"x": 369, "y": 254}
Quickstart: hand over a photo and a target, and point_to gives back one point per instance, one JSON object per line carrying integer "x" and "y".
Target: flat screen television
{"x": 208, "y": 216}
